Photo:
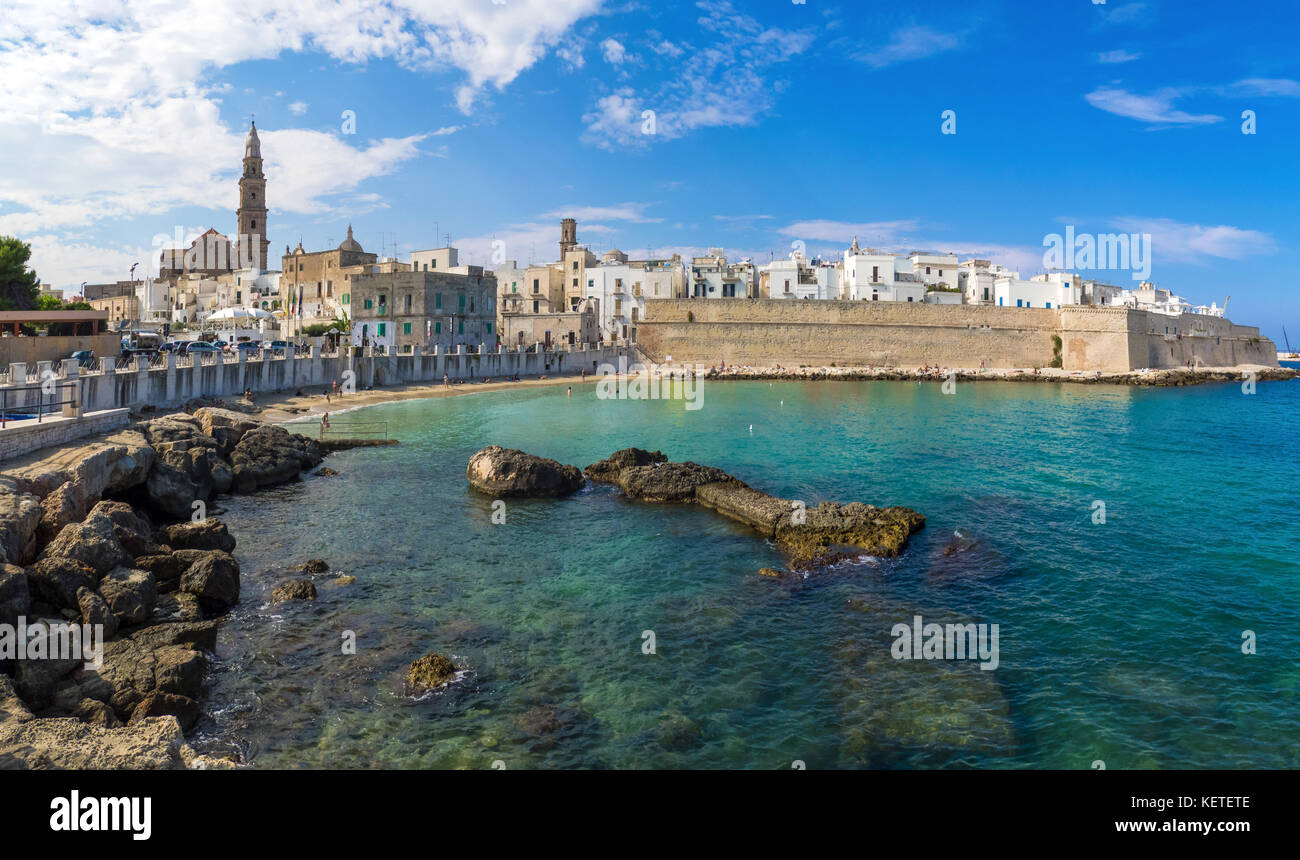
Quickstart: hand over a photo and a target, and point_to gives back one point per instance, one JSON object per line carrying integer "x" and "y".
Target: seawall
{"x": 764, "y": 332}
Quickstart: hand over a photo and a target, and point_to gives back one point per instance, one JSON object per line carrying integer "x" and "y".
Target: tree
{"x": 19, "y": 286}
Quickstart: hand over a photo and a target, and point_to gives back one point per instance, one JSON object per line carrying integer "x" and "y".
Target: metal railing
{"x": 46, "y": 403}
{"x": 354, "y": 430}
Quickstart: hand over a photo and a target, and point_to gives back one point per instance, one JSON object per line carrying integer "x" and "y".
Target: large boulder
{"x": 15, "y": 594}
{"x": 670, "y": 482}
{"x": 500, "y": 472}
{"x": 57, "y": 581}
{"x": 20, "y": 514}
{"x": 170, "y": 488}
{"x": 65, "y": 504}
{"x": 12, "y": 708}
{"x": 206, "y": 534}
{"x": 213, "y": 578}
{"x": 267, "y": 455}
{"x": 226, "y": 426}
{"x": 176, "y": 432}
{"x": 130, "y": 594}
{"x": 166, "y": 568}
{"x": 607, "y": 470}
{"x": 183, "y": 708}
{"x": 879, "y": 531}
{"x": 93, "y": 542}
{"x": 133, "y": 530}
{"x": 133, "y": 669}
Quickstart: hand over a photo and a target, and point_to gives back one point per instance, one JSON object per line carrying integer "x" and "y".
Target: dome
{"x": 350, "y": 244}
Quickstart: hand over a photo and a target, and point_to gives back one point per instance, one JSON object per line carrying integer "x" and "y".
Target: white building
{"x": 977, "y": 279}
{"x": 1015, "y": 293}
{"x": 621, "y": 288}
{"x": 712, "y": 277}
{"x": 871, "y": 275}
{"x": 798, "y": 278}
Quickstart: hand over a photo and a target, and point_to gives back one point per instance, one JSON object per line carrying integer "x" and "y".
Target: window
{"x": 433, "y": 264}
{"x": 909, "y": 298}
{"x": 986, "y": 294}
{"x": 875, "y": 273}
{"x": 437, "y": 328}
{"x": 575, "y": 266}
{"x": 460, "y": 302}
{"x": 535, "y": 304}
{"x": 489, "y": 328}
{"x": 515, "y": 289}
{"x": 406, "y": 328}
{"x": 347, "y": 298}
{"x": 1019, "y": 303}
{"x": 927, "y": 270}
{"x": 406, "y": 305}
{"x": 535, "y": 285}
{"x": 1049, "y": 304}
{"x": 460, "y": 327}
{"x": 253, "y": 224}
{"x": 437, "y": 300}
{"x": 575, "y": 282}
{"x": 382, "y": 329}
{"x": 367, "y": 305}
{"x": 383, "y": 299}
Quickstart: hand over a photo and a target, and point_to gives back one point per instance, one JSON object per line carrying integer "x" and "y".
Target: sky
{"x": 665, "y": 127}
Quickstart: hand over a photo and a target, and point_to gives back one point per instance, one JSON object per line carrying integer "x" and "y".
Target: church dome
{"x": 350, "y": 244}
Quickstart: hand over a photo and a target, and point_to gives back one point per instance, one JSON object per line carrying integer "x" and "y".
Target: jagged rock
{"x": 324, "y": 472}
{"x": 56, "y": 581}
{"x": 93, "y": 542}
{"x": 65, "y": 504}
{"x": 269, "y": 455}
{"x": 177, "y": 432}
{"x": 133, "y": 531}
{"x": 130, "y": 594}
{"x": 226, "y": 426}
{"x": 196, "y": 635}
{"x": 428, "y": 673}
{"x": 741, "y": 502}
{"x": 20, "y": 514}
{"x": 502, "y": 472}
{"x": 177, "y": 606}
{"x": 37, "y": 680}
{"x": 213, "y": 578}
{"x": 294, "y": 589}
{"x": 183, "y": 708}
{"x": 314, "y": 565}
{"x": 96, "y": 713}
{"x": 95, "y": 610}
{"x": 223, "y": 477}
{"x": 134, "y": 670}
{"x": 170, "y": 488}
{"x": 69, "y": 744}
{"x": 607, "y": 470}
{"x": 166, "y": 569}
{"x": 15, "y": 594}
{"x": 879, "y": 531}
{"x": 669, "y": 482}
{"x": 207, "y": 534}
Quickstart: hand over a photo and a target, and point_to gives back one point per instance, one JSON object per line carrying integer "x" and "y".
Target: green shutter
{"x": 406, "y": 328}
{"x": 437, "y": 300}
{"x": 381, "y": 329}
{"x": 437, "y": 328}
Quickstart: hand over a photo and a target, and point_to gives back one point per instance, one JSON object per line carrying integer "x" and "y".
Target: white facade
{"x": 935, "y": 270}
{"x": 797, "y": 278}
{"x": 873, "y": 276}
{"x": 978, "y": 278}
{"x": 1015, "y": 293}
{"x": 621, "y": 289}
{"x": 712, "y": 277}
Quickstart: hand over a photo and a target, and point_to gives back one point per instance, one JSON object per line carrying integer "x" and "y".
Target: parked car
{"x": 222, "y": 345}
{"x": 197, "y": 346}
{"x": 248, "y": 346}
{"x": 83, "y": 357}
{"x": 278, "y": 347}
{"x": 172, "y": 346}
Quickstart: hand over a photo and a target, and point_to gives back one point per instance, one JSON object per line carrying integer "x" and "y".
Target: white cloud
{"x": 911, "y": 43}
{"x": 634, "y": 212}
{"x": 613, "y": 51}
{"x": 1174, "y": 241}
{"x": 1156, "y": 108}
{"x": 1267, "y": 87}
{"x": 724, "y": 84}
{"x": 89, "y": 137}
{"x": 298, "y": 108}
{"x": 1117, "y": 56}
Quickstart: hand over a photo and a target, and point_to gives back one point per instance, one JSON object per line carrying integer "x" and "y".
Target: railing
{"x": 45, "y": 403}
{"x": 354, "y": 430}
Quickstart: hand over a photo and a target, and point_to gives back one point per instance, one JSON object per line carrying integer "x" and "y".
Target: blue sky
{"x": 775, "y": 122}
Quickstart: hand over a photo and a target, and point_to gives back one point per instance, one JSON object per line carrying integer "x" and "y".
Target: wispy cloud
{"x": 1125, "y": 13}
{"x": 1179, "y": 242}
{"x": 634, "y": 212}
{"x": 1156, "y": 108}
{"x": 1267, "y": 87}
{"x": 1117, "y": 56}
{"x": 910, "y": 43}
{"x": 298, "y": 108}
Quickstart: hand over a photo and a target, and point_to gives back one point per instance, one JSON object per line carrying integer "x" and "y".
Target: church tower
{"x": 252, "y": 235}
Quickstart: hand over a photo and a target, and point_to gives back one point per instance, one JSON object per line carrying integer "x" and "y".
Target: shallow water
{"x": 1118, "y": 641}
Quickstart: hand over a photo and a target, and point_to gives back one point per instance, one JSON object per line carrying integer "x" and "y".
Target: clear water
{"x": 1119, "y": 641}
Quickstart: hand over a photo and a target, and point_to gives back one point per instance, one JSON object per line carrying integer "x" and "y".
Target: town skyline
{"x": 796, "y": 123}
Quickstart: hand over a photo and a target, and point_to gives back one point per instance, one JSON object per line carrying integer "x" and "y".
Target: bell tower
{"x": 252, "y": 235}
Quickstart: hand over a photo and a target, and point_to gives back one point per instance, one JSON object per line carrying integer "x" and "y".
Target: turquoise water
{"x": 1119, "y": 642}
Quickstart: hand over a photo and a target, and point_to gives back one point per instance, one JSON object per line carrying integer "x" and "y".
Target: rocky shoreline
{"x": 1166, "y": 378}
{"x": 114, "y": 532}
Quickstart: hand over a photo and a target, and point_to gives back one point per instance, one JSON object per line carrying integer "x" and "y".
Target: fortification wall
{"x": 764, "y": 332}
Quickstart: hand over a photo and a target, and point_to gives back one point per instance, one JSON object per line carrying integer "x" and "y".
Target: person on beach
{"x": 336, "y": 388}
{"x": 446, "y": 380}
{"x": 570, "y": 390}
{"x": 327, "y": 395}
{"x": 324, "y": 423}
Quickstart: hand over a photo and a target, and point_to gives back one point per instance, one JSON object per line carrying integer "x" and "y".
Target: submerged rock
{"x": 314, "y": 565}
{"x": 294, "y": 589}
{"x": 501, "y": 472}
{"x": 429, "y": 672}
